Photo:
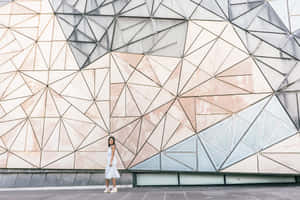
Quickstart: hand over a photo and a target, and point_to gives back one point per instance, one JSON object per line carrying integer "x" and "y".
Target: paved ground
{"x": 173, "y": 193}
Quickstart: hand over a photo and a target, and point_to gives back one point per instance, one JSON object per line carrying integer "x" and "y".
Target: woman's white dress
{"x": 111, "y": 171}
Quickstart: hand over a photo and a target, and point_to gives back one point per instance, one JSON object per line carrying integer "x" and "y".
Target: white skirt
{"x": 111, "y": 172}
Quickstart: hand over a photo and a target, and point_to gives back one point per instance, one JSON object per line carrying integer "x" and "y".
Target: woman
{"x": 111, "y": 171}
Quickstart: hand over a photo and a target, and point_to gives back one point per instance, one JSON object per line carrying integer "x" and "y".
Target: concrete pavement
{"x": 163, "y": 193}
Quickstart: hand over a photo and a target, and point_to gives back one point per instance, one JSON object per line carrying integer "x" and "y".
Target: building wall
{"x": 207, "y": 86}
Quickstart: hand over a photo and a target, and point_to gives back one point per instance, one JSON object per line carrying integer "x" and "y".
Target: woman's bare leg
{"x": 114, "y": 182}
{"x": 107, "y": 183}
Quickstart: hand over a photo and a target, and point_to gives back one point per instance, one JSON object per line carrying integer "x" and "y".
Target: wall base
{"x": 198, "y": 179}
{"x": 53, "y": 178}
{"x": 50, "y": 178}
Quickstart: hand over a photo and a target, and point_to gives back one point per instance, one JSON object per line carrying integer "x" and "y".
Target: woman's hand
{"x": 110, "y": 164}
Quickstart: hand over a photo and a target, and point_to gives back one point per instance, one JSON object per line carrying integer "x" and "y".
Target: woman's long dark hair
{"x": 113, "y": 138}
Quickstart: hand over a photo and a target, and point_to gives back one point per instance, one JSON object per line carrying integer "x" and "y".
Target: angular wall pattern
{"x": 195, "y": 85}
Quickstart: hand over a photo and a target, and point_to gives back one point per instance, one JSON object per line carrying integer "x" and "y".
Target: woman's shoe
{"x": 114, "y": 189}
{"x": 106, "y": 190}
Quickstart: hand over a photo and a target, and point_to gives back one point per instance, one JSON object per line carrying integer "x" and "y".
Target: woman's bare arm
{"x": 113, "y": 149}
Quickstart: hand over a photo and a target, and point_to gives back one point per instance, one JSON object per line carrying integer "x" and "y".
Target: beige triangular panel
{"x": 119, "y": 122}
{"x": 52, "y": 141}
{"x": 192, "y": 34}
{"x": 6, "y": 79}
{"x": 162, "y": 98}
{"x": 16, "y": 89}
{"x": 65, "y": 143}
{"x": 2, "y": 146}
{"x": 204, "y": 121}
{"x": 290, "y": 145}
{"x": 235, "y": 103}
{"x": 75, "y": 114}
{"x": 102, "y": 86}
{"x": 58, "y": 160}
{"x": 58, "y": 75}
{"x": 12, "y": 106}
{"x": 181, "y": 133}
{"x": 39, "y": 109}
{"x": 98, "y": 145}
{"x": 37, "y": 125}
{"x": 146, "y": 129}
{"x": 197, "y": 78}
{"x": 290, "y": 160}
{"x": 103, "y": 107}
{"x": 163, "y": 66}
{"x": 215, "y": 27}
{"x": 146, "y": 152}
{"x": 120, "y": 164}
{"x": 143, "y": 95}
{"x": 41, "y": 76}
{"x": 173, "y": 81}
{"x": 77, "y": 131}
{"x": 202, "y": 39}
{"x": 3, "y": 160}
{"x": 231, "y": 36}
{"x": 119, "y": 108}
{"x": 64, "y": 60}
{"x": 156, "y": 137}
{"x": 25, "y": 59}
{"x": 34, "y": 85}
{"x": 90, "y": 160}
{"x": 189, "y": 107}
{"x": 89, "y": 77}
{"x": 116, "y": 90}
{"x": 51, "y": 108}
{"x": 125, "y": 154}
{"x": 31, "y": 157}
{"x": 122, "y": 134}
{"x": 94, "y": 135}
{"x": 13, "y": 160}
{"x": 124, "y": 68}
{"x": 49, "y": 125}
{"x": 146, "y": 68}
{"x": 61, "y": 104}
{"x": 139, "y": 79}
{"x": 94, "y": 114}
{"x": 196, "y": 57}
{"x": 17, "y": 113}
{"x": 132, "y": 141}
{"x": 248, "y": 165}
{"x": 211, "y": 64}
{"x": 26, "y": 140}
{"x": 235, "y": 57}
{"x": 10, "y": 131}
{"x": 103, "y": 62}
{"x": 77, "y": 88}
{"x": 270, "y": 166}
{"x": 116, "y": 76}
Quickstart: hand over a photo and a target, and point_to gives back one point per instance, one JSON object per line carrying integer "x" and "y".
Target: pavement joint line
{"x": 184, "y": 194}
{"x": 125, "y": 196}
{"x": 96, "y": 187}
{"x": 145, "y": 195}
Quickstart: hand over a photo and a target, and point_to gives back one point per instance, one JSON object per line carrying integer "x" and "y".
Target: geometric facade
{"x": 195, "y": 85}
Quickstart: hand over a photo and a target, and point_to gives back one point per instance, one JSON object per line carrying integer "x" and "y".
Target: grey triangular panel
{"x": 168, "y": 163}
{"x": 272, "y": 125}
{"x": 152, "y": 163}
{"x": 221, "y": 139}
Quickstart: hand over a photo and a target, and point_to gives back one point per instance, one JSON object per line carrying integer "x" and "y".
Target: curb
{"x": 96, "y": 187}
